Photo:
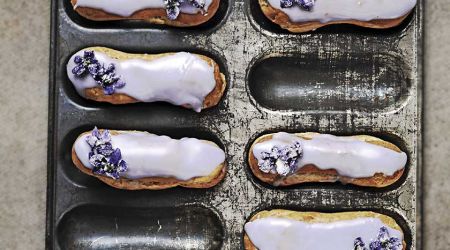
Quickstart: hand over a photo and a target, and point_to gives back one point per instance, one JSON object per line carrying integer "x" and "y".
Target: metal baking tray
{"x": 340, "y": 79}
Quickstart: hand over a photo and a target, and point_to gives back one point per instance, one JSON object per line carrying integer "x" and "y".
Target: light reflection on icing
{"x": 348, "y": 156}
{"x": 180, "y": 78}
{"x": 334, "y": 10}
{"x": 149, "y": 155}
{"x": 286, "y": 234}
{"x": 126, "y": 8}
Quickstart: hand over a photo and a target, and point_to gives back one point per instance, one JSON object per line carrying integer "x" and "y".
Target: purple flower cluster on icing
{"x": 304, "y": 4}
{"x": 103, "y": 76}
{"x": 103, "y": 157}
{"x": 173, "y": 7}
{"x": 383, "y": 242}
{"x": 282, "y": 161}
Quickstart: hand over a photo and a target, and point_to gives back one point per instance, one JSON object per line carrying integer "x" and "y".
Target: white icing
{"x": 126, "y": 8}
{"x": 180, "y": 78}
{"x": 149, "y": 155}
{"x": 348, "y": 156}
{"x": 336, "y": 10}
{"x": 286, "y": 234}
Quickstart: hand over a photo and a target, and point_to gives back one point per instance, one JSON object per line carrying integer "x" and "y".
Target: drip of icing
{"x": 348, "y": 156}
{"x": 149, "y": 155}
{"x": 180, "y": 78}
{"x": 337, "y": 10}
{"x": 126, "y": 8}
{"x": 286, "y": 234}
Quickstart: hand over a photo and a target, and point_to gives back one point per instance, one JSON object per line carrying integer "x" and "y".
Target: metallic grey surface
{"x": 238, "y": 42}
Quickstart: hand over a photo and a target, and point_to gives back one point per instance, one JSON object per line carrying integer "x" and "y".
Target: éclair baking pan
{"x": 340, "y": 79}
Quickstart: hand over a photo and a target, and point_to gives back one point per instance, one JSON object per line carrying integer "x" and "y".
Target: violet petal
{"x": 109, "y": 90}
{"x": 286, "y": 3}
{"x": 119, "y": 84}
{"x": 172, "y": 12}
{"x": 77, "y": 59}
{"x": 96, "y": 133}
{"x": 78, "y": 70}
{"x": 115, "y": 157}
{"x": 88, "y": 54}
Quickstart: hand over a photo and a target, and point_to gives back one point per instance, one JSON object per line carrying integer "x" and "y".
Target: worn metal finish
{"x": 340, "y": 79}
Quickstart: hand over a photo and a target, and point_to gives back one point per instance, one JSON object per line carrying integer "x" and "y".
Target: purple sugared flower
{"x": 359, "y": 244}
{"x": 282, "y": 161}
{"x": 83, "y": 63}
{"x": 173, "y": 7}
{"x": 286, "y": 3}
{"x": 105, "y": 77}
{"x": 199, "y": 4}
{"x": 104, "y": 159}
{"x": 383, "y": 242}
{"x": 304, "y": 4}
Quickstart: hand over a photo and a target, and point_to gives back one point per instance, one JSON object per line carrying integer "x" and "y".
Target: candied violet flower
{"x": 199, "y": 4}
{"x": 304, "y": 4}
{"x": 97, "y": 160}
{"x": 281, "y": 161}
{"x": 275, "y": 152}
{"x": 359, "y": 244}
{"x": 116, "y": 157}
{"x": 83, "y": 63}
{"x": 173, "y": 7}
{"x": 105, "y": 77}
{"x": 286, "y": 3}
{"x": 383, "y": 242}
{"x": 104, "y": 159}
{"x": 282, "y": 167}
{"x": 97, "y": 138}
{"x": 395, "y": 243}
{"x": 104, "y": 149}
{"x": 266, "y": 167}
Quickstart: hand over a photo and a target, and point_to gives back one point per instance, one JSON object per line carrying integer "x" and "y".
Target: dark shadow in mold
{"x": 114, "y": 227}
{"x": 306, "y": 82}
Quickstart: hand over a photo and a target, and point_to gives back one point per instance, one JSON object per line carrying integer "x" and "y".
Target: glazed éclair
{"x": 284, "y": 159}
{"x": 169, "y": 12}
{"x": 139, "y": 160}
{"x": 184, "y": 79}
{"x": 306, "y": 15}
{"x": 285, "y": 230}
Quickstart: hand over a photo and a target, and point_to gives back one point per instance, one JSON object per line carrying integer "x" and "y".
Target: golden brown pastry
{"x": 284, "y": 229}
{"x": 284, "y": 159}
{"x": 306, "y": 15}
{"x": 106, "y": 75}
{"x": 139, "y": 160}
{"x": 171, "y": 14}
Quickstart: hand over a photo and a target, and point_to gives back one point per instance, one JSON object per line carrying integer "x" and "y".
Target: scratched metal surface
{"x": 341, "y": 80}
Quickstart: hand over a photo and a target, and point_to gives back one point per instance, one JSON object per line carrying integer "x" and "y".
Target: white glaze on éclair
{"x": 326, "y": 11}
{"x": 149, "y": 155}
{"x": 126, "y": 8}
{"x": 180, "y": 78}
{"x": 348, "y": 156}
{"x": 286, "y": 234}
